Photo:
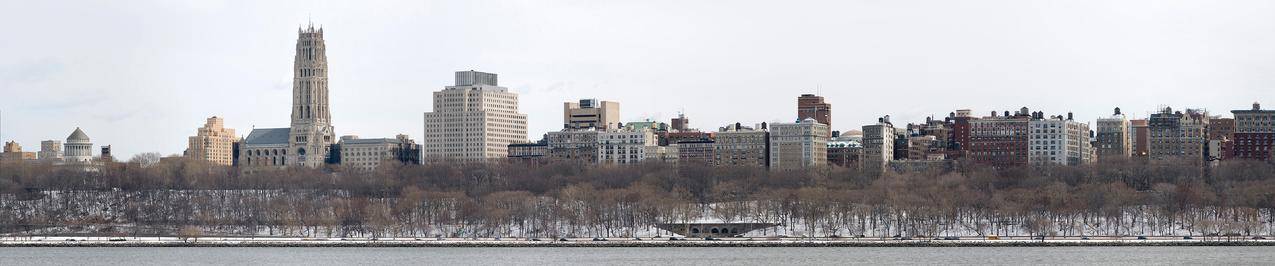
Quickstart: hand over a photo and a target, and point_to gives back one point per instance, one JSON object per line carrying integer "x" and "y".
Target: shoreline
{"x": 631, "y": 243}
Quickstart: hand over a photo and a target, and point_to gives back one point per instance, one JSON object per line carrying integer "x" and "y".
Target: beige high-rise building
{"x": 798, "y": 145}
{"x": 591, "y": 113}
{"x": 1178, "y": 135}
{"x": 737, "y": 145}
{"x": 878, "y": 146}
{"x": 1114, "y": 139}
{"x": 475, "y": 119}
{"x": 212, "y": 142}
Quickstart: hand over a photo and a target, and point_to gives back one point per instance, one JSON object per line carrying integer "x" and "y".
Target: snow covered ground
{"x": 496, "y": 242}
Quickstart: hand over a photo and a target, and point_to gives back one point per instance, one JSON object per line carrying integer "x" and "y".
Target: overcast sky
{"x": 143, "y": 75}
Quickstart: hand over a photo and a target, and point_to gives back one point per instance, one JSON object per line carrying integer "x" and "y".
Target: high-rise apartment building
{"x": 1000, "y": 141}
{"x": 1114, "y": 140}
{"x": 799, "y": 145}
{"x": 878, "y": 146}
{"x": 1141, "y": 137}
{"x": 475, "y": 119}
{"x": 738, "y": 145}
{"x": 591, "y": 113}
{"x": 1177, "y": 134}
{"x": 212, "y": 142}
{"x": 959, "y": 142}
{"x": 813, "y": 106}
{"x": 1254, "y": 134}
{"x": 1058, "y": 140}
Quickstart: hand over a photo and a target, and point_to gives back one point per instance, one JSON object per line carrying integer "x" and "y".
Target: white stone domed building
{"x": 78, "y": 148}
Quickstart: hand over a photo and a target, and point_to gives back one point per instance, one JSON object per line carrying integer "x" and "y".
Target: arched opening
{"x": 715, "y": 231}
{"x": 734, "y": 230}
{"x": 694, "y": 230}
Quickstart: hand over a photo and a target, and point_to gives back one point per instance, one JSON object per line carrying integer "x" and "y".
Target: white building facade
{"x": 1058, "y": 140}
{"x": 474, "y": 120}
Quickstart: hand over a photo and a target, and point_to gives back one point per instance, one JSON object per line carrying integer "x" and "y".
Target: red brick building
{"x": 1000, "y": 141}
{"x": 1254, "y": 134}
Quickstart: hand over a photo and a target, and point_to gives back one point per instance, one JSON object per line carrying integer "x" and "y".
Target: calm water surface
{"x": 639, "y": 256}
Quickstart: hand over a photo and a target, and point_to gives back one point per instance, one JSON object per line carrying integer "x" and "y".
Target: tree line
{"x": 570, "y": 199}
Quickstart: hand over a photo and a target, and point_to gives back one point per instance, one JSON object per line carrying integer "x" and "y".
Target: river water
{"x": 638, "y": 256}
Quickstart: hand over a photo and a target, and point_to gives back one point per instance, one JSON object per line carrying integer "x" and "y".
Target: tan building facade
{"x": 212, "y": 142}
{"x": 798, "y": 145}
{"x": 625, "y": 146}
{"x": 368, "y": 154}
{"x": 50, "y": 150}
{"x": 1178, "y": 134}
{"x": 736, "y": 145}
{"x": 13, "y": 152}
{"x": 474, "y": 120}
{"x": 878, "y": 146}
{"x": 591, "y": 113}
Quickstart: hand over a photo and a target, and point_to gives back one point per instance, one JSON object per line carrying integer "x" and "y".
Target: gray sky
{"x": 142, "y": 75}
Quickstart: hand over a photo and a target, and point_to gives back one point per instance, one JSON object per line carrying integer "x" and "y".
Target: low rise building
{"x": 529, "y": 151}
{"x": 845, "y": 151}
{"x": 368, "y": 154}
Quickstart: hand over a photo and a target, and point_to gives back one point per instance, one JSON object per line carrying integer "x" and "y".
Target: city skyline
{"x": 52, "y": 90}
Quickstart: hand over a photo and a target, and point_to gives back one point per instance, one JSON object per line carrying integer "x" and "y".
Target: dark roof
{"x": 77, "y": 135}
{"x": 370, "y": 141}
{"x": 268, "y": 136}
{"x": 527, "y": 144}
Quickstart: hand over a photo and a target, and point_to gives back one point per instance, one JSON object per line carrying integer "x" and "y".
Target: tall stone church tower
{"x": 311, "y": 136}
